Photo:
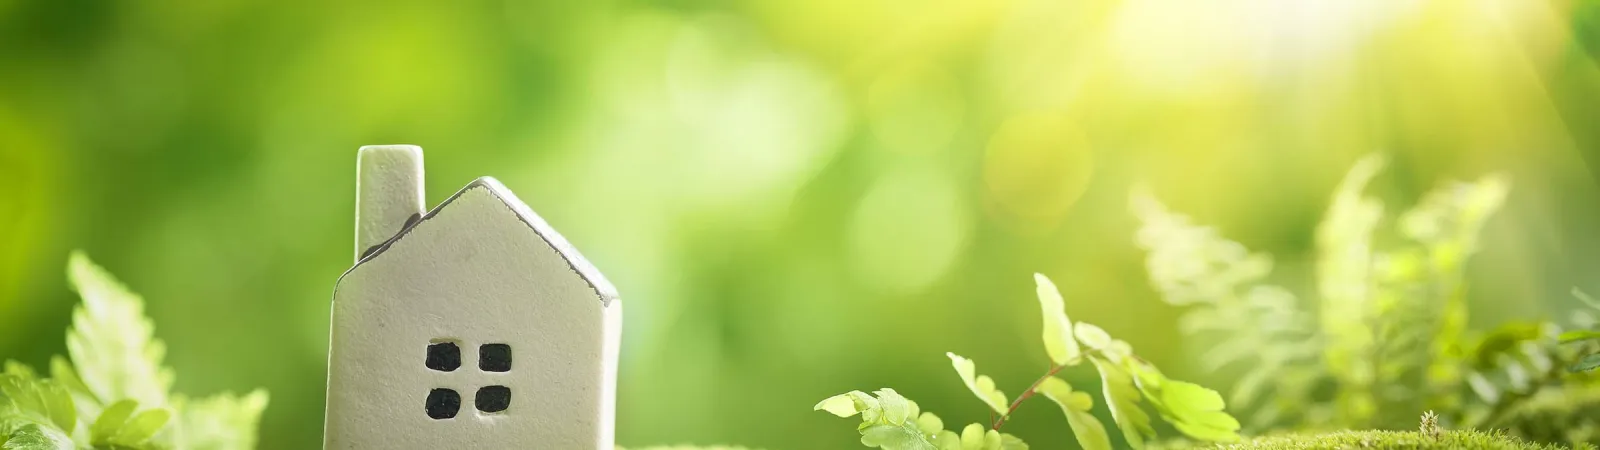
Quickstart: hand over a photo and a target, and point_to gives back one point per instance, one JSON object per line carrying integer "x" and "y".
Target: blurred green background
{"x": 796, "y": 198}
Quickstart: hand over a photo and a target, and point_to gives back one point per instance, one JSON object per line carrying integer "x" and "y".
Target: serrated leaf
{"x": 1088, "y": 430}
{"x": 1122, "y": 398}
{"x": 1586, "y": 363}
{"x": 61, "y": 372}
{"x": 36, "y": 400}
{"x": 38, "y": 437}
{"x": 1058, "y": 341}
{"x": 221, "y": 422}
{"x": 980, "y": 385}
{"x": 111, "y": 342}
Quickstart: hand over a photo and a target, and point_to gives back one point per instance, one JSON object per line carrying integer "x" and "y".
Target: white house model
{"x": 471, "y": 326}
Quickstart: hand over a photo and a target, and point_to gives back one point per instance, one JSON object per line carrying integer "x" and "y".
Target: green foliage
{"x": 980, "y": 385}
{"x": 1390, "y": 337}
{"x": 1587, "y": 336}
{"x": 890, "y": 421}
{"x": 1221, "y": 284}
{"x": 1122, "y": 398}
{"x": 1058, "y": 341}
{"x": 118, "y": 396}
{"x": 111, "y": 341}
{"x": 1077, "y": 407}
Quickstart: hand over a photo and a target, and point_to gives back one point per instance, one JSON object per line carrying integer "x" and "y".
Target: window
{"x": 493, "y": 399}
{"x": 494, "y": 358}
{"x": 445, "y": 356}
{"x": 444, "y": 403}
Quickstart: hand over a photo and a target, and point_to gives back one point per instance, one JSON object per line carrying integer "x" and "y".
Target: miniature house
{"x": 473, "y": 325}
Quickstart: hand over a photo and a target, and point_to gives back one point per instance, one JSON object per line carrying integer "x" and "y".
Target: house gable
{"x": 580, "y": 265}
{"x": 475, "y": 326}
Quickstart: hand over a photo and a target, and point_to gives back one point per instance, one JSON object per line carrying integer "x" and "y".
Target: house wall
{"x": 474, "y": 273}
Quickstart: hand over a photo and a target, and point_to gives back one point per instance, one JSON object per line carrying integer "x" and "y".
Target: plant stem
{"x": 1026, "y": 394}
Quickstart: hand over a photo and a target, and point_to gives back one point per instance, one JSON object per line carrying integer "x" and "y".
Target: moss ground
{"x": 1385, "y": 440}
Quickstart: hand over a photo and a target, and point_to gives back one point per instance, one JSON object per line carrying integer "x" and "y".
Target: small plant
{"x": 114, "y": 394}
{"x": 1430, "y": 426}
{"x": 892, "y": 422}
{"x": 1388, "y": 335}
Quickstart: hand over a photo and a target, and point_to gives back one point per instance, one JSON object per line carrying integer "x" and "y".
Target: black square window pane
{"x": 443, "y": 403}
{"x": 493, "y": 398}
{"x": 494, "y": 358}
{"x": 444, "y": 356}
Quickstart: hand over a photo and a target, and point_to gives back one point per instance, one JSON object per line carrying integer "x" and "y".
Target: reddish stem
{"x": 1025, "y": 394}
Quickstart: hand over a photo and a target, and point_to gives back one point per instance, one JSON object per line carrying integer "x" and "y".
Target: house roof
{"x": 575, "y": 260}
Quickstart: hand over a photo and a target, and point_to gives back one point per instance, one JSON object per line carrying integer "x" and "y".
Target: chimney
{"x": 388, "y": 193}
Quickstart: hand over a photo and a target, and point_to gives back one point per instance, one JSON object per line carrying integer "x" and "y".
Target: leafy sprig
{"x": 891, "y": 422}
{"x": 115, "y": 393}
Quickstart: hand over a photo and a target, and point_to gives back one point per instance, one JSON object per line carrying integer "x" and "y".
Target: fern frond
{"x": 1221, "y": 284}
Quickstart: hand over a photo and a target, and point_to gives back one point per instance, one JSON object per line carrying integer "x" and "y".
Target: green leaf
{"x": 221, "y": 422}
{"x": 1585, "y": 298}
{"x": 980, "y": 385}
{"x": 119, "y": 427}
{"x": 1058, "y": 342}
{"x": 978, "y": 437}
{"x": 847, "y": 404}
{"x": 1009, "y": 442}
{"x": 1586, "y": 363}
{"x": 1092, "y": 336}
{"x": 110, "y": 421}
{"x": 1091, "y": 434}
{"x": 37, "y": 401}
{"x": 929, "y": 423}
{"x": 38, "y": 437}
{"x": 141, "y": 427}
{"x": 947, "y": 440}
{"x": 896, "y": 409}
{"x": 111, "y": 341}
{"x": 894, "y": 437}
{"x": 1122, "y": 398}
{"x": 1579, "y": 335}
{"x": 61, "y": 372}
{"x": 1193, "y": 409}
{"x": 972, "y": 437}
{"x": 889, "y": 421}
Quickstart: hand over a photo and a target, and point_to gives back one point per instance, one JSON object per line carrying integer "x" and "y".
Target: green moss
{"x": 1384, "y": 440}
